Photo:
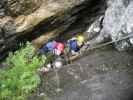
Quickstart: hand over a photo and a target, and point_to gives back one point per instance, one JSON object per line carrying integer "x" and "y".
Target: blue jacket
{"x": 73, "y": 45}
{"x": 51, "y": 45}
{"x": 48, "y": 47}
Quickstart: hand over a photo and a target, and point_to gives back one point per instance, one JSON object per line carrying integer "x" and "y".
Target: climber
{"x": 58, "y": 55}
{"x": 75, "y": 44}
{"x": 54, "y": 51}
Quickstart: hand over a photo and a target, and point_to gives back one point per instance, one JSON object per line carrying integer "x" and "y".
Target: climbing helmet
{"x": 80, "y": 38}
{"x": 59, "y": 49}
{"x": 60, "y": 46}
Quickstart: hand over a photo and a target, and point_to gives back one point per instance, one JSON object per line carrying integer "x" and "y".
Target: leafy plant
{"x": 21, "y": 78}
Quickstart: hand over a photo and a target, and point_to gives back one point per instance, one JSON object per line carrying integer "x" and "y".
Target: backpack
{"x": 73, "y": 45}
{"x": 51, "y": 45}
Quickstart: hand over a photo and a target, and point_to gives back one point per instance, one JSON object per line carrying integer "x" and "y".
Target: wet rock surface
{"x": 118, "y": 22}
{"x": 102, "y": 75}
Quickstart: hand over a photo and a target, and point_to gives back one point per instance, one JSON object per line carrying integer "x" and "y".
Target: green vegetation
{"x": 20, "y": 78}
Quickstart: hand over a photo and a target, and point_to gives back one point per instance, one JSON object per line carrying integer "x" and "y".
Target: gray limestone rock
{"x": 118, "y": 22}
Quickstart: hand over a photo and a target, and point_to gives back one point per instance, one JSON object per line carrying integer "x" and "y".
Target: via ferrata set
{"x": 57, "y": 53}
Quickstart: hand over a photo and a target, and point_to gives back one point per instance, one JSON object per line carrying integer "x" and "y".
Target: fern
{"x": 21, "y": 78}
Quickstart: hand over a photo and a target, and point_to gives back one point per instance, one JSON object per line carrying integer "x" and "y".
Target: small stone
{"x": 76, "y": 77}
{"x": 97, "y": 29}
{"x": 58, "y": 64}
{"x": 41, "y": 94}
{"x": 58, "y": 90}
{"x": 83, "y": 82}
{"x": 49, "y": 65}
{"x": 2, "y": 13}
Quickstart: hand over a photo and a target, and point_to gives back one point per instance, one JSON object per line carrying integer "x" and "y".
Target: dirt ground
{"x": 103, "y": 74}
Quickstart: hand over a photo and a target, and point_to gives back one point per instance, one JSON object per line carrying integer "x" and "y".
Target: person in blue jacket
{"x": 75, "y": 44}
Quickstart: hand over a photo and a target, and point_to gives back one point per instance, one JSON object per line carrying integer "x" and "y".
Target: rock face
{"x": 52, "y": 17}
{"x": 22, "y": 7}
{"x": 93, "y": 32}
{"x": 118, "y": 22}
{"x": 100, "y": 75}
{"x": 21, "y": 17}
{"x": 8, "y": 39}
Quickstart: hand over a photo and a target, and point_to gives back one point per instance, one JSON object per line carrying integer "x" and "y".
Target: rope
{"x": 108, "y": 43}
{"x": 99, "y": 46}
